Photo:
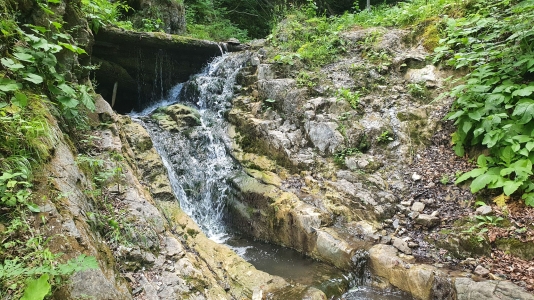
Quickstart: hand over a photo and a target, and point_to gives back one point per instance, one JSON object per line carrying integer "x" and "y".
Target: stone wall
{"x": 146, "y": 65}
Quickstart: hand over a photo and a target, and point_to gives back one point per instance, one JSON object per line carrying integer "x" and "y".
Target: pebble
{"x": 406, "y": 203}
{"x": 416, "y": 177}
{"x": 413, "y": 215}
{"x": 484, "y": 210}
{"x": 418, "y": 206}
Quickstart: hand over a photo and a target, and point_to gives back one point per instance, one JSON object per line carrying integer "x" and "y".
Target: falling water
{"x": 197, "y": 157}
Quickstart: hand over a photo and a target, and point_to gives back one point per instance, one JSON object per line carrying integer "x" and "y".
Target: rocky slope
{"x": 330, "y": 173}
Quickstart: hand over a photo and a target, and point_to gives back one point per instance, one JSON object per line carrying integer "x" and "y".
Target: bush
{"x": 494, "y": 105}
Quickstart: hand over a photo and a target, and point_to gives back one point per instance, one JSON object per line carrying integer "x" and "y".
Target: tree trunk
{"x": 368, "y": 6}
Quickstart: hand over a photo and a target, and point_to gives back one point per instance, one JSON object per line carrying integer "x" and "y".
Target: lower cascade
{"x": 190, "y": 132}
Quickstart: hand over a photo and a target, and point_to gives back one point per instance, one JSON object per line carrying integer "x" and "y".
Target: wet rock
{"x": 333, "y": 249}
{"x": 427, "y": 220}
{"x": 484, "y": 210}
{"x": 406, "y": 203}
{"x": 265, "y": 72}
{"x": 176, "y": 116}
{"x": 415, "y": 279}
{"x": 480, "y": 270}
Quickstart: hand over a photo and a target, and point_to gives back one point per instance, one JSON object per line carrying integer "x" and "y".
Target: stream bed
{"x": 200, "y": 166}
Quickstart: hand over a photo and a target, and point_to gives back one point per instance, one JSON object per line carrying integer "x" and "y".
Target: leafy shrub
{"x": 494, "y": 105}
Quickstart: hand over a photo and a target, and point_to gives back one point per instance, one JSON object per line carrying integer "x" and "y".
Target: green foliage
{"x": 339, "y": 156}
{"x": 495, "y": 104}
{"x": 103, "y": 12}
{"x": 445, "y": 179}
{"x": 34, "y": 66}
{"x": 353, "y": 98}
{"x": 31, "y": 75}
{"x": 314, "y": 39}
{"x": 384, "y": 137}
{"x": 152, "y": 25}
{"x": 18, "y": 272}
{"x": 418, "y": 90}
{"x": 207, "y": 19}
{"x": 406, "y": 13}
{"x": 37, "y": 289}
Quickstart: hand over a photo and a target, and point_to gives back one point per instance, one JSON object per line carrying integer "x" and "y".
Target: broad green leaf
{"x": 33, "y": 207}
{"x": 524, "y": 92}
{"x": 529, "y": 199}
{"x": 67, "y": 89}
{"x": 525, "y": 109}
{"x": 529, "y": 146}
{"x": 37, "y": 289}
{"x": 522, "y": 138}
{"x": 68, "y": 46}
{"x": 466, "y": 126}
{"x": 476, "y": 115}
{"x": 471, "y": 174}
{"x": 86, "y": 98}
{"x": 33, "y": 78}
{"x": 455, "y": 115}
{"x": 507, "y": 155}
{"x": 510, "y": 187}
{"x": 10, "y": 64}
{"x": 8, "y": 85}
{"x": 482, "y": 181}
{"x": 57, "y": 25}
{"x": 68, "y": 101}
{"x": 24, "y": 56}
{"x": 482, "y": 161}
{"x": 20, "y": 99}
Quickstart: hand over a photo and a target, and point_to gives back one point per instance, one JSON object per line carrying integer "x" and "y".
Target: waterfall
{"x": 199, "y": 166}
{"x": 198, "y": 157}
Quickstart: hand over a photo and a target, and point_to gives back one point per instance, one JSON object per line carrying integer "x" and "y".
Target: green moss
{"x": 431, "y": 38}
{"x": 523, "y": 250}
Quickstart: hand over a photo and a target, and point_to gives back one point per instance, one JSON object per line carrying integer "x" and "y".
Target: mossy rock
{"x": 463, "y": 245}
{"x": 523, "y": 250}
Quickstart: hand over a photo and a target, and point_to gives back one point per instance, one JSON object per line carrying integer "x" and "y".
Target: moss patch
{"x": 523, "y": 250}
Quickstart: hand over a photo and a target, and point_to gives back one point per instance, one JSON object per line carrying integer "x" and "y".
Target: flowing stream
{"x": 199, "y": 165}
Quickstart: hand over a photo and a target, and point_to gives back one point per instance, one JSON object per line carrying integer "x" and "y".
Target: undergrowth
{"x": 31, "y": 82}
{"x": 494, "y": 106}
{"x": 315, "y": 39}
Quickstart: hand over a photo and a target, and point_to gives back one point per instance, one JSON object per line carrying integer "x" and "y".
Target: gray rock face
{"x": 324, "y": 136}
{"x": 93, "y": 283}
{"x": 467, "y": 289}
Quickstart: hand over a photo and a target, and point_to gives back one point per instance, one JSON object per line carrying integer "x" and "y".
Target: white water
{"x": 197, "y": 158}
